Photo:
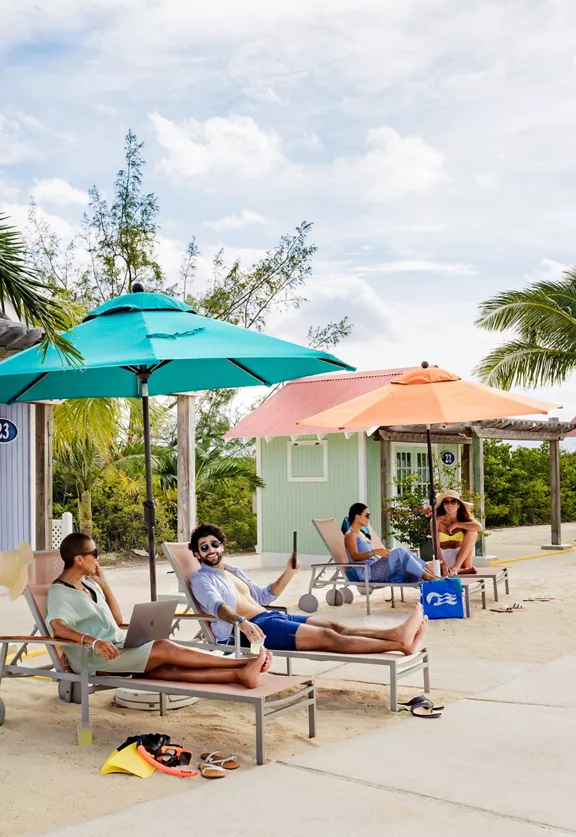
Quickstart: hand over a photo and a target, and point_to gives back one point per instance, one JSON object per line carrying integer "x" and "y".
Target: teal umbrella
{"x": 142, "y": 344}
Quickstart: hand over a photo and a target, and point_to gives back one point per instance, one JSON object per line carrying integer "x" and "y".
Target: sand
{"x": 48, "y": 781}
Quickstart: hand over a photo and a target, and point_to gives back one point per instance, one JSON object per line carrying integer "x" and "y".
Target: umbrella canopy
{"x": 142, "y": 344}
{"x": 183, "y": 351}
{"x": 428, "y": 395}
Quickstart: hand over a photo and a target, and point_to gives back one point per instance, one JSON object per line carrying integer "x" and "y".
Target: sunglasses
{"x": 94, "y": 552}
{"x": 367, "y": 515}
{"x": 206, "y": 546}
{"x": 450, "y": 502}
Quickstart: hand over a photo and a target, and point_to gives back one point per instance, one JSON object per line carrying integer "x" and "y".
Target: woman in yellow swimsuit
{"x": 457, "y": 533}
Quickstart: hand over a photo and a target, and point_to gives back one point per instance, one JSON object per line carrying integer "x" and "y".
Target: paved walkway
{"x": 501, "y": 763}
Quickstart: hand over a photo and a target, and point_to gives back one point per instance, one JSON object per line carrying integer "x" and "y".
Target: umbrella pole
{"x": 149, "y": 509}
{"x": 432, "y": 495}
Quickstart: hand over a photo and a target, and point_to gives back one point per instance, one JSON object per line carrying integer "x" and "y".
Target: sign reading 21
{"x": 8, "y": 431}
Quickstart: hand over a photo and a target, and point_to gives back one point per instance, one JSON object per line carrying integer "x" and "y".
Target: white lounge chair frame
{"x": 399, "y": 667}
{"x": 77, "y": 688}
{"x": 340, "y": 584}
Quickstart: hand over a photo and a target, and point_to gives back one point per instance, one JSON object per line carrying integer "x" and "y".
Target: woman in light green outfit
{"x": 82, "y": 608}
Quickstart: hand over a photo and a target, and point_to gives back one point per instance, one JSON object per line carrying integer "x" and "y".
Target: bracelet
{"x": 94, "y": 643}
{"x": 240, "y": 620}
{"x": 82, "y": 639}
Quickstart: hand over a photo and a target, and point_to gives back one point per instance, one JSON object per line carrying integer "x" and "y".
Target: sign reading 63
{"x": 8, "y": 431}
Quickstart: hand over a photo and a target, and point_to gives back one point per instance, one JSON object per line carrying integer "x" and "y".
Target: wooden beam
{"x": 555, "y": 493}
{"x": 43, "y": 442}
{"x": 513, "y": 434}
{"x": 385, "y": 486}
{"x": 416, "y": 438}
{"x": 478, "y": 482}
{"x": 186, "y": 440}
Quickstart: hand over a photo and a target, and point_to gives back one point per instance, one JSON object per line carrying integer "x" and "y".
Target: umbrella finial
{"x": 137, "y": 288}
{"x": 424, "y": 364}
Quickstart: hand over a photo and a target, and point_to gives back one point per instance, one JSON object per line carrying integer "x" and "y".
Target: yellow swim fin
{"x": 128, "y": 760}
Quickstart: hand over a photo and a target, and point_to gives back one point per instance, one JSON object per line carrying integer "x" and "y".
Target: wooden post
{"x": 43, "y": 442}
{"x": 186, "y": 410}
{"x": 466, "y": 467}
{"x": 478, "y": 482}
{"x": 385, "y": 487}
{"x": 556, "y": 539}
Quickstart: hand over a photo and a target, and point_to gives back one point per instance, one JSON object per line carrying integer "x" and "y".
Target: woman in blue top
{"x": 395, "y": 565}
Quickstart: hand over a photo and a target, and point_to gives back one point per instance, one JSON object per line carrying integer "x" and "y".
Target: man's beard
{"x": 212, "y": 562}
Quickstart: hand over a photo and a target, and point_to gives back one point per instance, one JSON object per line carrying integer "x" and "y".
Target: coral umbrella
{"x": 427, "y": 395}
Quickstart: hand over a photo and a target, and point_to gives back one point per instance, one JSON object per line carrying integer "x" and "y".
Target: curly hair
{"x": 205, "y": 530}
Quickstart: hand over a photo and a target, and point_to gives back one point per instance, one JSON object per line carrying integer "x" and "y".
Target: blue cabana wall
{"x": 17, "y": 480}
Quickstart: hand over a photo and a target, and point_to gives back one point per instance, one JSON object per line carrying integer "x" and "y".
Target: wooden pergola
{"x": 471, "y": 435}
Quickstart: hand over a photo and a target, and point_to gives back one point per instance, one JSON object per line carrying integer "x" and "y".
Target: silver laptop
{"x": 150, "y": 621}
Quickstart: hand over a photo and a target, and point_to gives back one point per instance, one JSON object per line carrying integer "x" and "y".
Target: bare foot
{"x": 417, "y": 642}
{"x": 267, "y": 661}
{"x": 408, "y": 629}
{"x": 249, "y": 675}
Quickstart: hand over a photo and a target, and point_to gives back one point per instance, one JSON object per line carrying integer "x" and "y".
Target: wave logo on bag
{"x": 436, "y": 599}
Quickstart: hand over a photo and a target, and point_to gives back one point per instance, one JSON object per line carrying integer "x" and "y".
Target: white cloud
{"x": 548, "y": 270}
{"x": 235, "y": 222}
{"x": 393, "y": 166}
{"x": 423, "y": 266}
{"x": 218, "y": 148}
{"x": 486, "y": 181}
{"x": 16, "y": 144}
{"x": 58, "y": 191}
{"x": 106, "y": 110}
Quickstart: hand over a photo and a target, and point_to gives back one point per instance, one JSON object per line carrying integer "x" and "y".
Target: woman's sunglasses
{"x": 451, "y": 502}
{"x": 367, "y": 514}
{"x": 206, "y": 546}
{"x": 94, "y": 552}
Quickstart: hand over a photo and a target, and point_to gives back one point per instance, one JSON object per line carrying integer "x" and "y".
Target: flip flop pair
{"x": 215, "y": 765}
{"x": 507, "y": 608}
{"x": 421, "y": 707}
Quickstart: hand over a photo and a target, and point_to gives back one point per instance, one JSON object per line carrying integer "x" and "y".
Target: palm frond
{"x": 88, "y": 420}
{"x": 524, "y": 364}
{"x": 224, "y": 469}
{"x": 21, "y": 286}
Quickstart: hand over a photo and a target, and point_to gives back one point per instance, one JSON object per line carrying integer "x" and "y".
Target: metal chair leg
{"x": 259, "y": 709}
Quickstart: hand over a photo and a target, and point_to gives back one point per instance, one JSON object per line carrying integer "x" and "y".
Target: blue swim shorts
{"x": 278, "y": 628}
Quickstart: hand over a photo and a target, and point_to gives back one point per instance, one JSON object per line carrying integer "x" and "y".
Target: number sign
{"x": 448, "y": 457}
{"x": 8, "y": 431}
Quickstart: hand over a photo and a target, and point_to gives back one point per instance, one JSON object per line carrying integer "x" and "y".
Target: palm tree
{"x": 20, "y": 286}
{"x": 543, "y": 352}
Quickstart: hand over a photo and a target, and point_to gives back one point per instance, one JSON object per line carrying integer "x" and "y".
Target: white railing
{"x": 61, "y": 528}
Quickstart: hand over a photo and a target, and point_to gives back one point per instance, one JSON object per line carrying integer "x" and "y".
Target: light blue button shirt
{"x": 211, "y": 588}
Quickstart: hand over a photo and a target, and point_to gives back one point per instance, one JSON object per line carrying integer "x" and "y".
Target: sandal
{"x": 507, "y": 608}
{"x": 211, "y": 771}
{"x": 226, "y": 762}
{"x": 421, "y": 707}
{"x": 420, "y": 700}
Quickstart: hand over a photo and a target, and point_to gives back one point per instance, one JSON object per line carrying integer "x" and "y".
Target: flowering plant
{"x": 409, "y": 513}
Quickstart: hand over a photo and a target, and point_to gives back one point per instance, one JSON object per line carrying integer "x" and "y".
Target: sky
{"x": 431, "y": 143}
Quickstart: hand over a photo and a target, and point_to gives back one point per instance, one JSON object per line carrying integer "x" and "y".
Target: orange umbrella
{"x": 427, "y": 395}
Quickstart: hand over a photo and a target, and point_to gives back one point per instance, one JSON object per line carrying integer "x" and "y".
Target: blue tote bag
{"x": 442, "y": 599}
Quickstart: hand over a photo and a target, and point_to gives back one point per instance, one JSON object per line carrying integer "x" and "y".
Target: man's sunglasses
{"x": 94, "y": 552}
{"x": 206, "y": 546}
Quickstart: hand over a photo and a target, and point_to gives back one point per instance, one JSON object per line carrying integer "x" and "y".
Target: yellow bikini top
{"x": 457, "y": 536}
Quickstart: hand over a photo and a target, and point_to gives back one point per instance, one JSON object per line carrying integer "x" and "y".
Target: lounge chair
{"x": 185, "y": 564}
{"x": 340, "y": 586}
{"x": 76, "y": 688}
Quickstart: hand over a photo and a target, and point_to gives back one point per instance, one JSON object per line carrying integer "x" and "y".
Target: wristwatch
{"x": 240, "y": 620}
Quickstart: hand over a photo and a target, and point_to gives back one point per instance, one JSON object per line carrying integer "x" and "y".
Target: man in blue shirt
{"x": 231, "y": 597}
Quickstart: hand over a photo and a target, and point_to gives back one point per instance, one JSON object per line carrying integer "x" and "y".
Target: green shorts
{"x": 130, "y": 661}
